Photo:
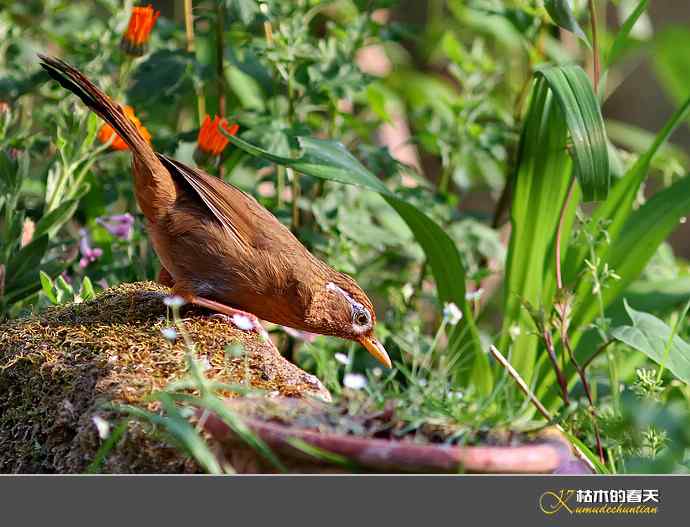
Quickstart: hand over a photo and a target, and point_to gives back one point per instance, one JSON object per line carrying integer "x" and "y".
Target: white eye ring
{"x": 361, "y": 318}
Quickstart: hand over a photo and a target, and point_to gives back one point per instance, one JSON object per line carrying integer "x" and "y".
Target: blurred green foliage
{"x": 458, "y": 126}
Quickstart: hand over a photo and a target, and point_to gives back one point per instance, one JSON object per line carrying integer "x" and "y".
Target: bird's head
{"x": 340, "y": 308}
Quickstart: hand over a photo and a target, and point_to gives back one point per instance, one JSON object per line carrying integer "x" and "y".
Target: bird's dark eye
{"x": 361, "y": 317}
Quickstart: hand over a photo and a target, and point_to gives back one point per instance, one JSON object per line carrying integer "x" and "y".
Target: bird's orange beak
{"x": 376, "y": 349}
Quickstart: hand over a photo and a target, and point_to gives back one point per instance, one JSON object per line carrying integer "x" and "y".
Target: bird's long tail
{"x": 154, "y": 187}
{"x": 111, "y": 112}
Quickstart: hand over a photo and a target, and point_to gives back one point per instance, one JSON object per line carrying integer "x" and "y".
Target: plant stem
{"x": 280, "y": 184}
{"x": 294, "y": 176}
{"x": 444, "y": 181}
{"x": 189, "y": 28}
{"x": 598, "y": 352}
{"x": 291, "y": 174}
{"x": 189, "y": 25}
{"x": 585, "y": 386}
{"x": 559, "y": 231}
{"x": 220, "y": 70}
{"x": 548, "y": 340}
{"x": 595, "y": 44}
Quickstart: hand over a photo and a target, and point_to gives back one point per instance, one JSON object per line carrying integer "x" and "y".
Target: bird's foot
{"x": 241, "y": 320}
{"x": 238, "y": 318}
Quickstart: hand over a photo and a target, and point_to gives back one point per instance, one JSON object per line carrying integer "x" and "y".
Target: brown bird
{"x": 220, "y": 249}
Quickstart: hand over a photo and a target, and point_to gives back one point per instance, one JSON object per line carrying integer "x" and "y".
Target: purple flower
{"x": 88, "y": 254}
{"x": 118, "y": 225}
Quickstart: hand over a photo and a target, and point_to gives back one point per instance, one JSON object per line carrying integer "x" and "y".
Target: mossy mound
{"x": 59, "y": 368}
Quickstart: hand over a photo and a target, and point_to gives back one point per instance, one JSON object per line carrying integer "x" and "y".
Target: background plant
{"x": 417, "y": 118}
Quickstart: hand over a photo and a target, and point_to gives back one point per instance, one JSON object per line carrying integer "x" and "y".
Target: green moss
{"x": 58, "y": 368}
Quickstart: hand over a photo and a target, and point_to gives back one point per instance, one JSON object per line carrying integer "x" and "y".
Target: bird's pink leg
{"x": 241, "y": 319}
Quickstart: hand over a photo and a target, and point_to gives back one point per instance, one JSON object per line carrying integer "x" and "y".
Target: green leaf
{"x": 624, "y": 32}
{"x": 245, "y": 10}
{"x": 320, "y": 454}
{"x": 672, "y": 62}
{"x": 163, "y": 78}
{"x": 617, "y": 210}
{"x": 562, "y": 14}
{"x": 47, "y": 286}
{"x": 111, "y": 441}
{"x": 51, "y": 222}
{"x": 658, "y": 341}
{"x": 645, "y": 230}
{"x": 87, "y": 291}
{"x": 562, "y": 104}
{"x": 27, "y": 260}
{"x": 376, "y": 98}
{"x": 232, "y": 420}
{"x": 179, "y": 430}
{"x": 28, "y": 284}
{"x": 330, "y": 160}
{"x": 8, "y": 173}
{"x": 573, "y": 90}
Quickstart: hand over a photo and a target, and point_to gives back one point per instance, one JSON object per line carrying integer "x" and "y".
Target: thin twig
{"x": 520, "y": 382}
{"x": 559, "y": 231}
{"x": 551, "y": 352}
{"x": 595, "y": 44}
{"x": 585, "y": 386}
{"x": 598, "y": 352}
{"x": 220, "y": 70}
{"x": 535, "y": 401}
{"x": 189, "y": 25}
{"x": 189, "y": 29}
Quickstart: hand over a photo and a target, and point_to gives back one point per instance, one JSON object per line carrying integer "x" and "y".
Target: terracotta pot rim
{"x": 396, "y": 455}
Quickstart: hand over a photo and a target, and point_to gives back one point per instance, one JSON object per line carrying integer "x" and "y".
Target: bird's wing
{"x": 229, "y": 205}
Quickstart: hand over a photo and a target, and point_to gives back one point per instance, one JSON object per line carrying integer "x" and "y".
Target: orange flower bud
{"x": 106, "y": 131}
{"x": 141, "y": 24}
{"x": 211, "y": 141}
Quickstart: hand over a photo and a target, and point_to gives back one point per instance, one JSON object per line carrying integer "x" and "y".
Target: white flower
{"x": 377, "y": 372}
{"x": 173, "y": 301}
{"x": 407, "y": 291}
{"x": 474, "y": 295}
{"x": 102, "y": 426}
{"x": 354, "y": 381}
{"x": 243, "y": 322}
{"x": 514, "y": 331}
{"x": 169, "y": 333}
{"x": 452, "y": 314}
{"x": 342, "y": 358}
{"x": 204, "y": 363}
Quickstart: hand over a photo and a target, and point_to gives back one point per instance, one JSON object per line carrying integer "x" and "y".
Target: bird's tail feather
{"x": 111, "y": 112}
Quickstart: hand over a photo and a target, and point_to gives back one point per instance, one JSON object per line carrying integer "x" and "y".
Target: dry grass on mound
{"x": 58, "y": 368}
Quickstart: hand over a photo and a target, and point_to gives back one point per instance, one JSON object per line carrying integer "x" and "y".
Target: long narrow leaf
{"x": 561, "y": 13}
{"x": 624, "y": 32}
{"x": 638, "y": 240}
{"x": 616, "y": 210}
{"x": 330, "y": 160}
{"x": 562, "y": 105}
{"x": 582, "y": 114}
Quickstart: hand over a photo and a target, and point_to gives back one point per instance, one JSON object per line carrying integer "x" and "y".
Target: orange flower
{"x": 106, "y": 131}
{"x": 141, "y": 23}
{"x": 211, "y": 141}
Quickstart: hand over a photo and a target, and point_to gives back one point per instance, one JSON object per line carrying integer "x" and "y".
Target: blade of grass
{"x": 562, "y": 105}
{"x": 179, "y": 429}
{"x": 330, "y": 160}
{"x": 624, "y": 32}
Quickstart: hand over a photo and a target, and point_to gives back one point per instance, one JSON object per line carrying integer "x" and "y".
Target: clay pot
{"x": 547, "y": 454}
